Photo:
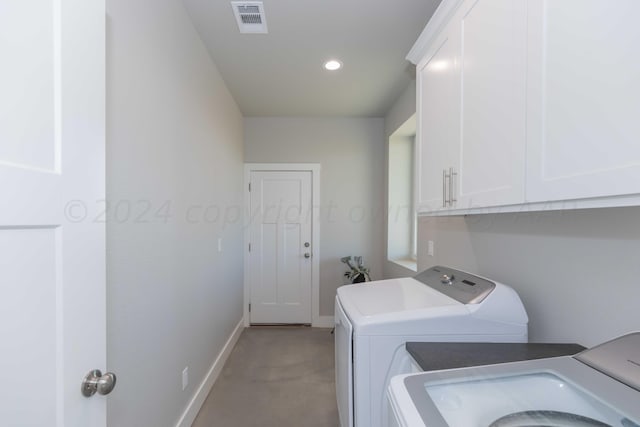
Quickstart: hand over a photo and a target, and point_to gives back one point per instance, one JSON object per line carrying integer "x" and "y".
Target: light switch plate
{"x": 185, "y": 378}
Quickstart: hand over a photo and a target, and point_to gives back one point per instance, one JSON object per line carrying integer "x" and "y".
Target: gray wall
{"x": 350, "y": 152}
{"x": 174, "y": 140}
{"x": 576, "y": 271}
{"x": 401, "y": 111}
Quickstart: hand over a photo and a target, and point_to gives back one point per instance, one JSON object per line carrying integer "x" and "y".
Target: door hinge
{"x": 249, "y": 307}
{"x": 249, "y": 187}
{"x": 249, "y": 247}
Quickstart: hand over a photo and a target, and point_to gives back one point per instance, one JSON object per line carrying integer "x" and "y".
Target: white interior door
{"x": 281, "y": 246}
{"x": 52, "y": 252}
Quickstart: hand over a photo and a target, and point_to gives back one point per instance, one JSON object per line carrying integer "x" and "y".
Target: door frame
{"x": 314, "y": 168}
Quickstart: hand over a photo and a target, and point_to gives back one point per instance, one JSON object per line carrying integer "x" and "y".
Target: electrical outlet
{"x": 185, "y": 378}
{"x": 430, "y": 248}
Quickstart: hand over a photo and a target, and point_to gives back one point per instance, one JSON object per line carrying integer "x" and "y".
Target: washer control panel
{"x": 459, "y": 285}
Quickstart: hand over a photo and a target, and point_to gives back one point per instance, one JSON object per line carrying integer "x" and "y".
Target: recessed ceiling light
{"x": 332, "y": 65}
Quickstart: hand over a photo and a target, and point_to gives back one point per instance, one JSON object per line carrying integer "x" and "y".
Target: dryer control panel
{"x": 459, "y": 285}
{"x": 618, "y": 358}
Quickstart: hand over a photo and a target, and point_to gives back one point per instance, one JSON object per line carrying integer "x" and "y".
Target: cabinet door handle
{"x": 452, "y": 181}
{"x": 444, "y": 188}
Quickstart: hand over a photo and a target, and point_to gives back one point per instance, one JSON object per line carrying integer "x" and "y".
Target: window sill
{"x": 407, "y": 263}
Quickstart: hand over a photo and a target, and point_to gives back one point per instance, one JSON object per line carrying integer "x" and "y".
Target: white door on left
{"x": 52, "y": 242}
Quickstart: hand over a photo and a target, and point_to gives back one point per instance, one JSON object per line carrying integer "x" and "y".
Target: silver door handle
{"x": 444, "y": 188}
{"x": 94, "y": 382}
{"x": 452, "y": 193}
{"x": 307, "y": 255}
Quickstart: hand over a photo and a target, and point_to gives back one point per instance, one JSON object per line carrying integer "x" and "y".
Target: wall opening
{"x": 402, "y": 218}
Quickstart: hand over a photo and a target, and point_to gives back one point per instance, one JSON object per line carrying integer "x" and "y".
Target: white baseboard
{"x": 194, "y": 406}
{"x": 323, "y": 322}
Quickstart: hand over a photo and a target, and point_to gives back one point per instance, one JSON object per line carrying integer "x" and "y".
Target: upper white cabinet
{"x": 493, "y": 85}
{"x": 471, "y": 101}
{"x": 583, "y": 99}
{"x": 532, "y": 102}
{"x": 438, "y": 127}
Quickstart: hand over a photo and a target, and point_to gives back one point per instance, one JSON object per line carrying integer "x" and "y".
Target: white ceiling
{"x": 281, "y": 74}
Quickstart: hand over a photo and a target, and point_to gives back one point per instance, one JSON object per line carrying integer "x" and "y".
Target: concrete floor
{"x": 275, "y": 376}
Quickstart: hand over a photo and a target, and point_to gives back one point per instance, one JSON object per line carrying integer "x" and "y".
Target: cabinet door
{"x": 583, "y": 99}
{"x": 493, "y": 135}
{"x": 438, "y": 131}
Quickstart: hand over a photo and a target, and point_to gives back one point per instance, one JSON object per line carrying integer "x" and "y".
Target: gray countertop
{"x": 432, "y": 356}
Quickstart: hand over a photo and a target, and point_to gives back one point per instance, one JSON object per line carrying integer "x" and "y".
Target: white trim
{"x": 201, "y": 394}
{"x": 314, "y": 168}
{"x": 323, "y": 322}
{"x": 552, "y": 205}
{"x": 440, "y": 18}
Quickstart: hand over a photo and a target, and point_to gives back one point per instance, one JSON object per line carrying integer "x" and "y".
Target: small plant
{"x": 358, "y": 272}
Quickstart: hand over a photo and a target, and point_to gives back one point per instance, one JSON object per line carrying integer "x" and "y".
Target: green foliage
{"x": 356, "y": 268}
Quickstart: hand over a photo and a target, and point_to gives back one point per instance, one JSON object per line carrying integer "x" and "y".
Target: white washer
{"x": 374, "y": 320}
{"x": 599, "y": 387}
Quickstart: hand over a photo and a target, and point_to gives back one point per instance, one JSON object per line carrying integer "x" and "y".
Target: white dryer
{"x": 599, "y": 387}
{"x": 374, "y": 320}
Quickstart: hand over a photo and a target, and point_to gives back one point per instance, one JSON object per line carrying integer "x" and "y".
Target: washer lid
{"x": 391, "y": 296}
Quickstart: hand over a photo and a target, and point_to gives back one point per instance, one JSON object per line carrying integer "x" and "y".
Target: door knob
{"x": 307, "y": 255}
{"x": 94, "y": 382}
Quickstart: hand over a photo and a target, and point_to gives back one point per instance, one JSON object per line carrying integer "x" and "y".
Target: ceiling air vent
{"x": 250, "y": 16}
